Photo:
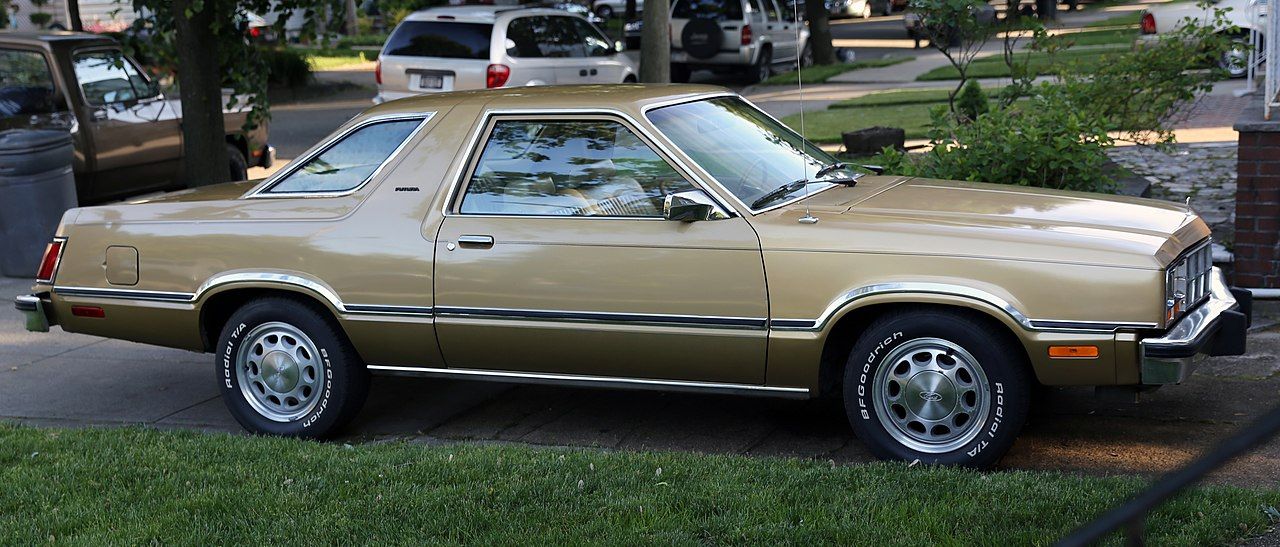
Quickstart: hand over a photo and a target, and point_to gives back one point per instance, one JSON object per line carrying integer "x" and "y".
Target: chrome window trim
{"x": 126, "y": 294}
{"x": 1003, "y": 305}
{"x": 591, "y": 381}
{"x": 263, "y": 189}
{"x": 481, "y": 129}
{"x": 734, "y": 197}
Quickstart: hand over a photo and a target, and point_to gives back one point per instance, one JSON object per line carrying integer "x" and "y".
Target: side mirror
{"x": 691, "y": 206}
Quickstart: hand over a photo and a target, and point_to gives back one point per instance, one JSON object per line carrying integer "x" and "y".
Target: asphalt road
{"x": 68, "y": 380}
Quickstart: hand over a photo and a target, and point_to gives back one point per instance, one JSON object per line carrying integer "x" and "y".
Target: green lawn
{"x": 820, "y": 73}
{"x": 827, "y": 125}
{"x": 1131, "y": 19}
{"x": 338, "y": 59}
{"x": 137, "y": 486}
{"x": 909, "y": 96}
{"x": 1125, "y": 36}
{"x": 994, "y": 66}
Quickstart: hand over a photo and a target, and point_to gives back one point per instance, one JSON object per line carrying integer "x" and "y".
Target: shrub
{"x": 286, "y": 68}
{"x": 972, "y": 101}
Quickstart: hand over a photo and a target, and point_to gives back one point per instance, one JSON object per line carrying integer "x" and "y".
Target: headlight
{"x": 1186, "y": 282}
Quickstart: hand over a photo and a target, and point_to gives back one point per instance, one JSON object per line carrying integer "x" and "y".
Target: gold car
{"x": 657, "y": 237}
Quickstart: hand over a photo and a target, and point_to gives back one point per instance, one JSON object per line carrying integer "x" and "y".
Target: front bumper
{"x": 35, "y": 308}
{"x": 1216, "y": 327}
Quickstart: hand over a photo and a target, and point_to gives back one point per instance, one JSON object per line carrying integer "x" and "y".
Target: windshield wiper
{"x": 829, "y": 169}
{"x": 796, "y": 185}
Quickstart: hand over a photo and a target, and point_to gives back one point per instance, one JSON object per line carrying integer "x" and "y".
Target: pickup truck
{"x": 127, "y": 133}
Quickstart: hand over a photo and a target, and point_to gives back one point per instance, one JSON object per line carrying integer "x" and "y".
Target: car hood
{"x": 927, "y": 216}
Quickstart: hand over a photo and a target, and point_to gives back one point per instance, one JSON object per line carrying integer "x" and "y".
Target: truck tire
{"x": 939, "y": 386}
{"x": 762, "y": 69}
{"x": 239, "y": 167}
{"x": 285, "y": 368}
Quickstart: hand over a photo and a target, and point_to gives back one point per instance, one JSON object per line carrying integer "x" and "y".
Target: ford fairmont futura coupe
{"x": 658, "y": 237}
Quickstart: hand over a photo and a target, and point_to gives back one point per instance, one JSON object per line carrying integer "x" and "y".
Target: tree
{"x": 206, "y": 43}
{"x": 820, "y": 33}
{"x": 955, "y": 29}
{"x": 655, "y": 43}
{"x": 73, "y": 13}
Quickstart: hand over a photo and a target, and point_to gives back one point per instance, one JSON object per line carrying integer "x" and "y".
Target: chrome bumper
{"x": 34, "y": 308}
{"x": 1216, "y": 327}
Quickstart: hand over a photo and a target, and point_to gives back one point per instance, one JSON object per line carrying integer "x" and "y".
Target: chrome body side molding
{"x": 707, "y": 321}
{"x": 591, "y": 381}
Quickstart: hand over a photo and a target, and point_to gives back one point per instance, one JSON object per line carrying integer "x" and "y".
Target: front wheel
{"x": 238, "y": 166}
{"x": 763, "y": 68}
{"x": 937, "y": 386}
{"x": 286, "y": 369}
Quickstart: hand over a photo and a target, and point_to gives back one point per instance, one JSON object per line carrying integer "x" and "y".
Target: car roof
{"x": 51, "y": 36}
{"x": 480, "y": 14}
{"x": 627, "y": 97}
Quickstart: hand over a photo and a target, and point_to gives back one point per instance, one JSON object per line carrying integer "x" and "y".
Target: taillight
{"x": 1147, "y": 23}
{"x": 49, "y": 263}
{"x": 746, "y": 35}
{"x": 377, "y": 71}
{"x": 255, "y": 32}
{"x": 496, "y": 76}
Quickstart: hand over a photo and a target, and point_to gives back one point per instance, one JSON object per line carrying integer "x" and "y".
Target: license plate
{"x": 430, "y": 81}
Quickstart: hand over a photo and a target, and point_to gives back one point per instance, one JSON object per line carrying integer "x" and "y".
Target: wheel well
{"x": 846, "y": 331}
{"x": 217, "y": 310}
{"x": 630, "y": 79}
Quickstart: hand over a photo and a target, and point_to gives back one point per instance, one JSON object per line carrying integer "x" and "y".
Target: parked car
{"x": 744, "y": 37}
{"x": 478, "y": 47}
{"x": 127, "y": 133}
{"x": 849, "y": 8}
{"x": 621, "y": 236}
{"x": 1246, "y": 18}
{"x": 632, "y": 31}
{"x": 607, "y": 9}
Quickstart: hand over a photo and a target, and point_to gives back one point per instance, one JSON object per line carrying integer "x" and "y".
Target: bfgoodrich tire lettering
{"x": 937, "y": 385}
{"x": 283, "y": 368}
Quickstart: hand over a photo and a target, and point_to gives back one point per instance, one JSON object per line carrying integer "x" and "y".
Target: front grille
{"x": 1189, "y": 276}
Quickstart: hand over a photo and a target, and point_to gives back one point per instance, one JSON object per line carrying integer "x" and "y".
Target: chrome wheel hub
{"x": 280, "y": 372}
{"x": 931, "y": 395}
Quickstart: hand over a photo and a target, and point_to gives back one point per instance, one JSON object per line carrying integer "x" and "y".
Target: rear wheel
{"x": 937, "y": 386}
{"x": 286, "y": 369}
{"x": 605, "y": 12}
{"x": 763, "y": 68}
{"x": 1235, "y": 60}
{"x": 239, "y": 168}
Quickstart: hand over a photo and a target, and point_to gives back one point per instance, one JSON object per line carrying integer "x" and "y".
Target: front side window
{"x": 746, "y": 151}
{"x": 350, "y": 162}
{"x": 569, "y": 168}
{"x": 108, "y": 77}
{"x": 440, "y": 39}
{"x": 27, "y": 94}
{"x": 596, "y": 44}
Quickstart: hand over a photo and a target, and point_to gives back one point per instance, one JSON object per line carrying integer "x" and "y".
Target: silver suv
{"x": 478, "y": 47}
{"x": 745, "y": 37}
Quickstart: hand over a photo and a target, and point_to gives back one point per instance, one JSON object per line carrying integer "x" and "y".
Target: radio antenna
{"x": 808, "y": 217}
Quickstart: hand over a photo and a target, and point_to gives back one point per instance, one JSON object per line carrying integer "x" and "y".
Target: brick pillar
{"x": 1257, "y": 238}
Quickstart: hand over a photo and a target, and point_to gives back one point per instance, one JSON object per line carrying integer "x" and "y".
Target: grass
{"x": 826, "y": 126}
{"x": 903, "y": 97}
{"x": 1103, "y": 37}
{"x": 820, "y": 73}
{"x": 1040, "y": 63}
{"x": 1129, "y": 19}
{"x": 133, "y": 486}
{"x": 339, "y": 59}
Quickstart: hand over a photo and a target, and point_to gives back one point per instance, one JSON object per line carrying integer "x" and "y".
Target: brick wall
{"x": 1257, "y": 237}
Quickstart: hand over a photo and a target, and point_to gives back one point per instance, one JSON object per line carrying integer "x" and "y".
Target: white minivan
{"x": 478, "y": 47}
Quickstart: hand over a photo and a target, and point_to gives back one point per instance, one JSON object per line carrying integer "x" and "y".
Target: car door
{"x": 135, "y": 132}
{"x": 533, "y": 59}
{"x": 563, "y": 41}
{"x": 779, "y": 31}
{"x": 604, "y": 64}
{"x": 554, "y": 258}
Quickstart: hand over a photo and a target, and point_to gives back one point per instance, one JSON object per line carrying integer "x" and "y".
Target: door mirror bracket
{"x": 691, "y": 206}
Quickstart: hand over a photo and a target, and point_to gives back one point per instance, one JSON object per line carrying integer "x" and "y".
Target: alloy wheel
{"x": 931, "y": 395}
{"x": 280, "y": 371}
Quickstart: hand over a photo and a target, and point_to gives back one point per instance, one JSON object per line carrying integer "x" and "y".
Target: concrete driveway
{"x": 61, "y": 379}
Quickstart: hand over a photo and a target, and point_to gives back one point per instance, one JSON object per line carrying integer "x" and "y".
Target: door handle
{"x": 582, "y": 72}
{"x": 482, "y": 242}
{"x": 594, "y": 72}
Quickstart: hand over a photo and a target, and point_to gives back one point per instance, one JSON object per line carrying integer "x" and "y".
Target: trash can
{"x": 36, "y": 188}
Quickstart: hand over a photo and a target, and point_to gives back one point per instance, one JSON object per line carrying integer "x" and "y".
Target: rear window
{"x": 440, "y": 39}
{"x": 719, "y": 10}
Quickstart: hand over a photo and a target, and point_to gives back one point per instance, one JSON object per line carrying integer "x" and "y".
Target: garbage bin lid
{"x": 23, "y": 140}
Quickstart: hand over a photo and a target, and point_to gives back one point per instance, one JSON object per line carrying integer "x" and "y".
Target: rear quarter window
{"x": 719, "y": 10}
{"x": 349, "y": 162}
{"x": 440, "y": 39}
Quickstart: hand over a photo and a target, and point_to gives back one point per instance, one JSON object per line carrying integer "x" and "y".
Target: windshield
{"x": 745, "y": 150}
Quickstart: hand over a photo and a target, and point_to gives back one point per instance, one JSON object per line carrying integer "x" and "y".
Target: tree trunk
{"x": 73, "y": 15}
{"x": 629, "y": 14}
{"x": 204, "y": 148}
{"x": 351, "y": 24}
{"x": 655, "y": 43}
{"x": 820, "y": 33}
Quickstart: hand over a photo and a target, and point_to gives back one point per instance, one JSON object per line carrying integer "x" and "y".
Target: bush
{"x": 347, "y": 42}
{"x": 972, "y": 101}
{"x": 286, "y": 68}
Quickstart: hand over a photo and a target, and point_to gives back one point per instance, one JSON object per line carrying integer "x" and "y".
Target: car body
{"x": 1246, "y": 16}
{"x": 476, "y": 47}
{"x": 747, "y": 37}
{"x": 621, "y": 236}
{"x": 607, "y": 9}
{"x": 127, "y": 133}
{"x": 849, "y": 8}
